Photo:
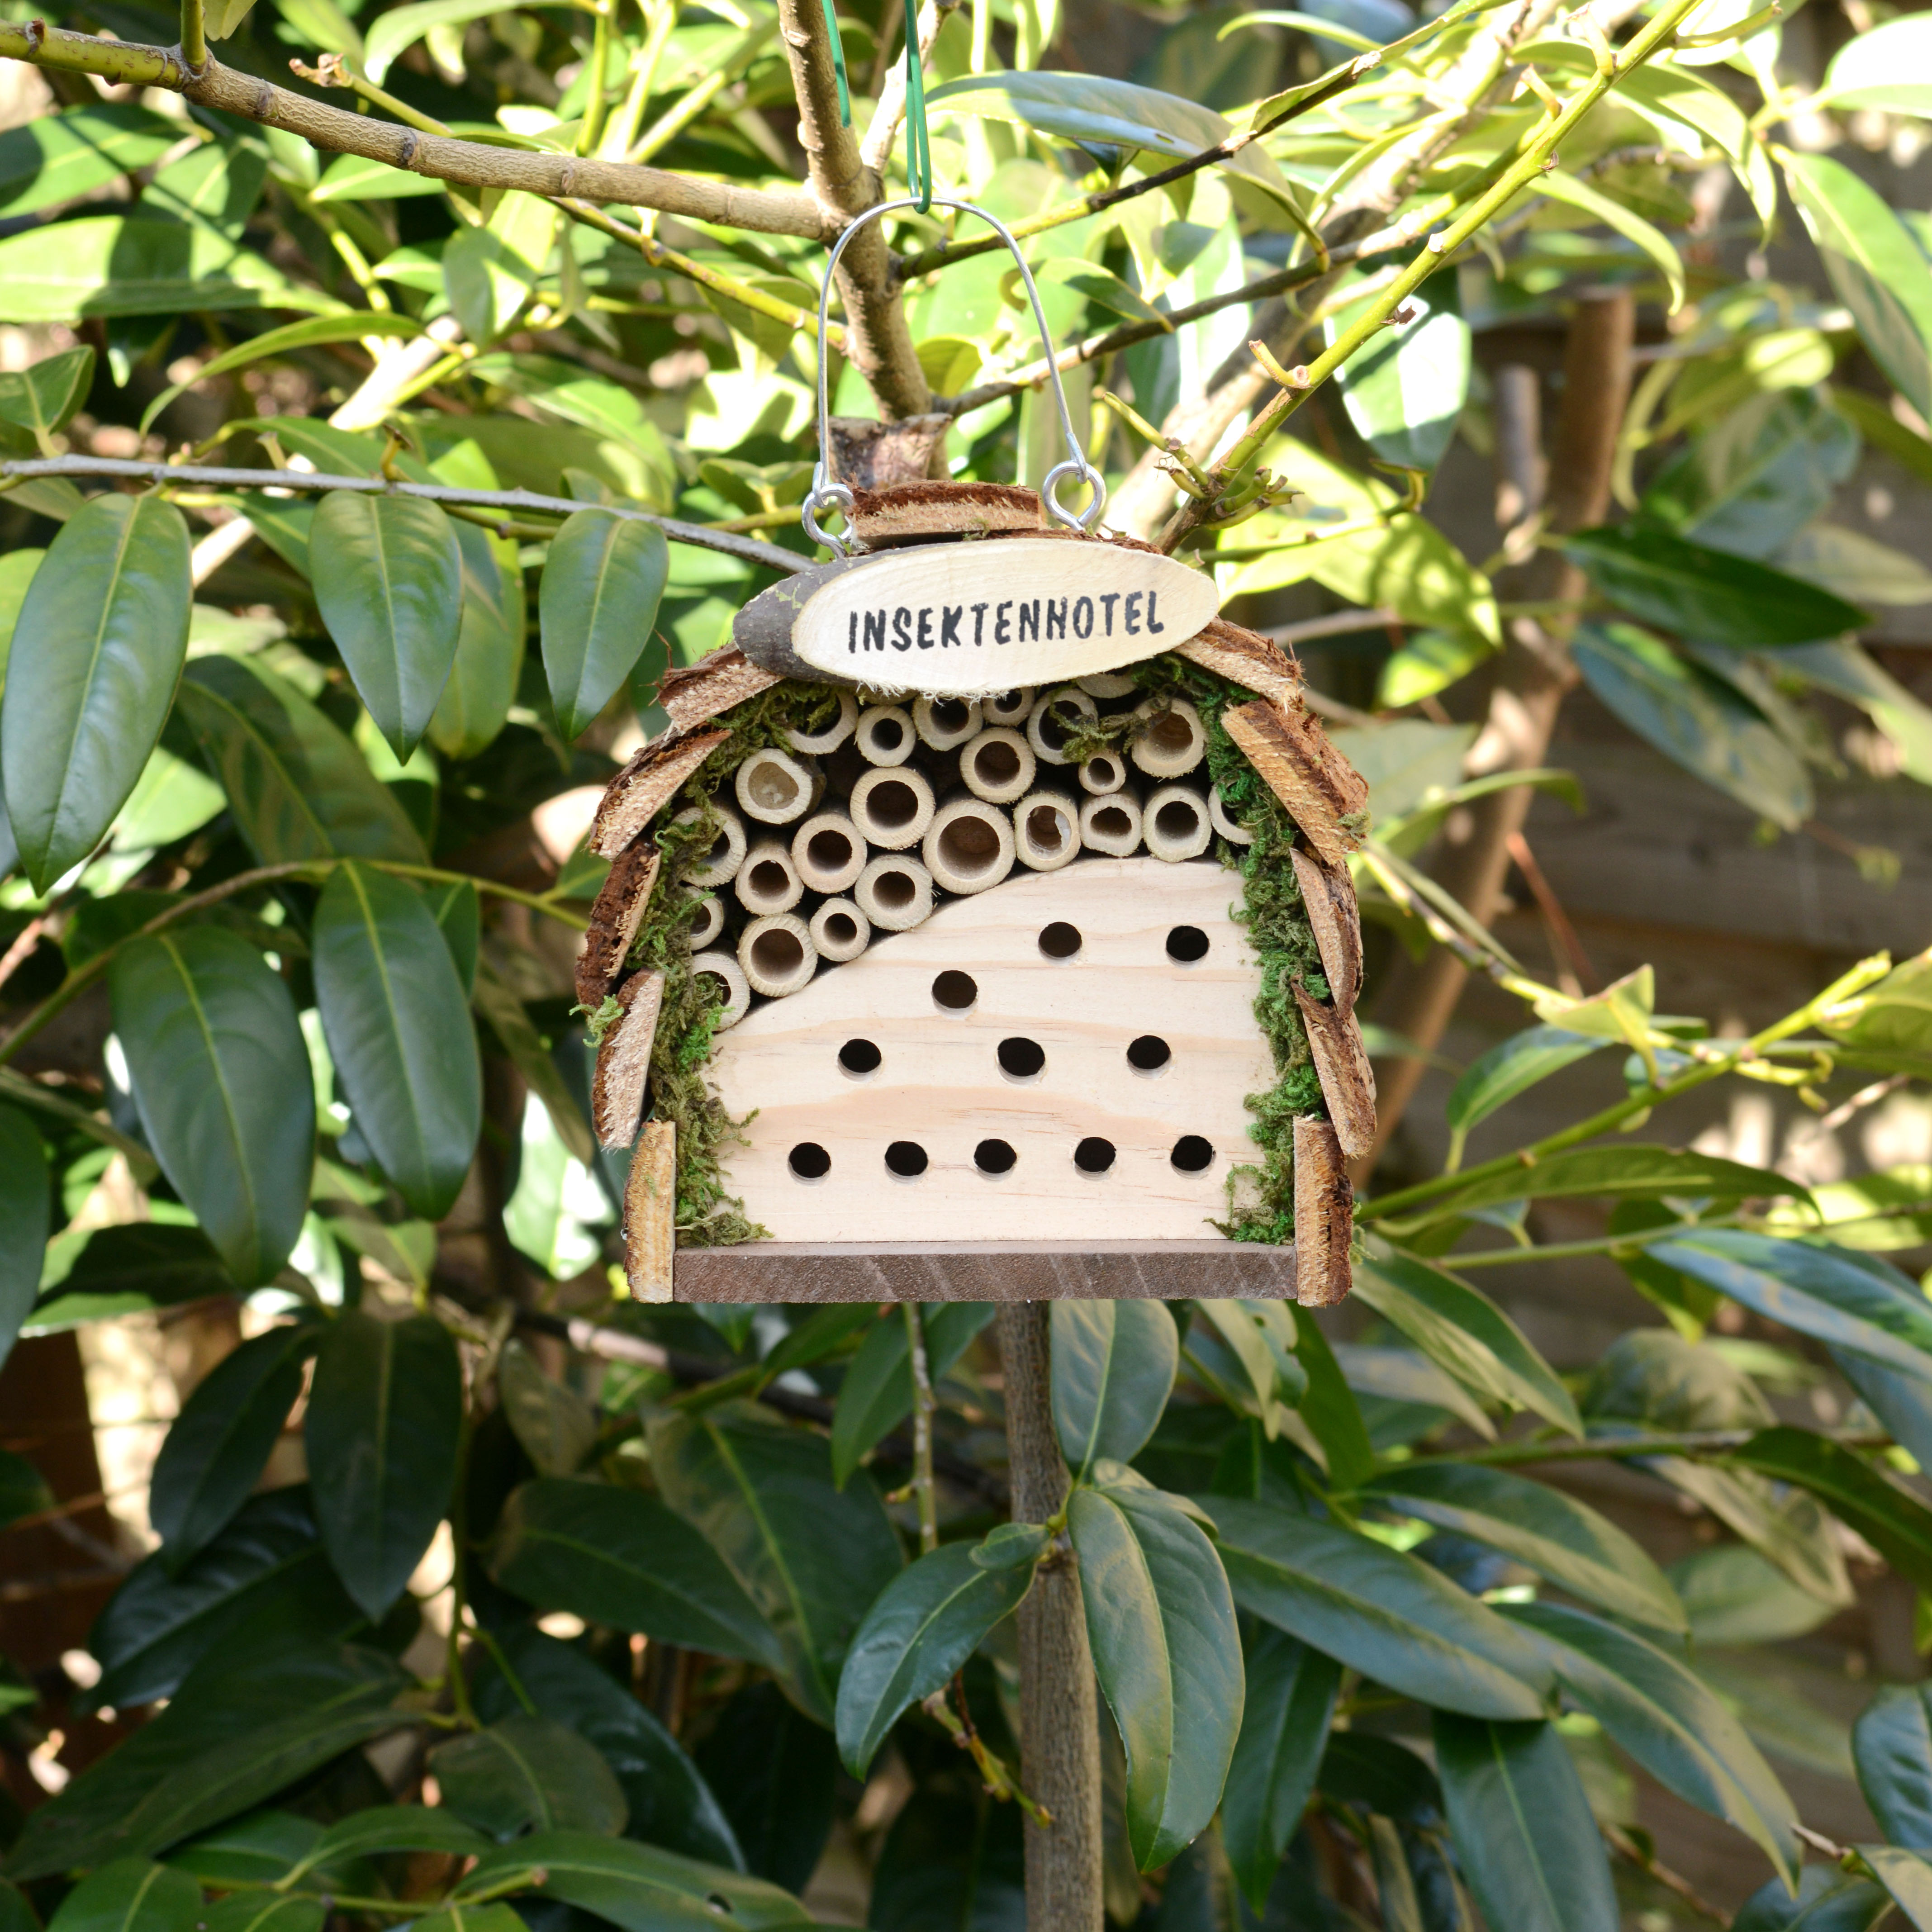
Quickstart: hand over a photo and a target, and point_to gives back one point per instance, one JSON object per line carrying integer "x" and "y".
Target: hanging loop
{"x": 827, "y": 494}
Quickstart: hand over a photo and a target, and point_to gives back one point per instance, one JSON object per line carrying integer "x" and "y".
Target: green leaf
{"x": 1890, "y": 1024}
{"x": 618, "y": 1557}
{"x": 599, "y": 603}
{"x": 528, "y": 1773}
{"x": 131, "y": 1270}
{"x": 458, "y": 912}
{"x": 1710, "y": 594}
{"x": 58, "y": 158}
{"x": 1161, "y": 1622}
{"x": 1512, "y": 1067}
{"x": 476, "y": 703}
{"x": 1554, "y": 1534}
{"x": 1114, "y": 1364}
{"x": 1827, "y": 1901}
{"x": 1697, "y": 719}
{"x": 114, "y": 265}
{"x": 218, "y": 1445}
{"x": 556, "y": 1427}
{"x": 1429, "y": 662}
{"x": 1892, "y": 1743}
{"x": 671, "y": 1804}
{"x": 1523, "y": 1833}
{"x": 1907, "y": 1876}
{"x": 131, "y": 1895}
{"x": 1669, "y": 1721}
{"x": 1887, "y": 1515}
{"x": 1639, "y": 1173}
{"x": 774, "y": 1771}
{"x": 40, "y": 398}
{"x": 97, "y": 649}
{"x": 384, "y": 1413}
{"x": 813, "y": 1558}
{"x": 1887, "y": 68}
{"x": 1390, "y": 1616}
{"x": 1847, "y": 670}
{"x": 1875, "y": 266}
{"x": 1331, "y": 1410}
{"x": 297, "y": 788}
{"x": 254, "y": 1911}
{"x": 1259, "y": 1338}
{"x": 925, "y": 1624}
{"x": 388, "y": 581}
{"x": 1285, "y": 1718}
{"x": 399, "y": 1033}
{"x": 221, "y": 1074}
{"x": 1735, "y": 1596}
{"x": 358, "y": 178}
{"x": 637, "y": 1888}
{"x": 17, "y": 571}
{"x": 358, "y": 325}
{"x": 1465, "y": 1333}
{"x": 876, "y": 1395}
{"x": 1405, "y": 388}
{"x": 26, "y": 1214}
{"x": 486, "y": 282}
{"x": 1576, "y": 192}
{"x": 235, "y": 1734}
{"x": 399, "y": 29}
{"x": 954, "y": 1858}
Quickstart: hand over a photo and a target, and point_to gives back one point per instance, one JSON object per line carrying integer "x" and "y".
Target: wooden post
{"x": 1060, "y": 1738}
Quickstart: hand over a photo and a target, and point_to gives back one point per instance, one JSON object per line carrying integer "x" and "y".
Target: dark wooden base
{"x": 986, "y": 1271}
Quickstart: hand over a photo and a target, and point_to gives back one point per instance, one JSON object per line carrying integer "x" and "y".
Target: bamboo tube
{"x": 997, "y": 766}
{"x": 886, "y": 736}
{"x": 1173, "y": 742}
{"x": 709, "y": 922}
{"x": 1112, "y": 824}
{"x": 895, "y": 892}
{"x": 729, "y": 975}
{"x": 719, "y": 866}
{"x": 1175, "y": 824}
{"x": 1046, "y": 723}
{"x": 1104, "y": 772}
{"x": 945, "y": 723}
{"x": 1224, "y": 821}
{"x": 840, "y": 931}
{"x": 1007, "y": 707}
{"x": 777, "y": 955}
{"x": 830, "y": 736}
{"x": 829, "y": 852}
{"x": 893, "y": 806}
{"x": 768, "y": 882}
{"x": 1046, "y": 831}
{"x": 969, "y": 845}
{"x": 774, "y": 788}
{"x": 1107, "y": 684}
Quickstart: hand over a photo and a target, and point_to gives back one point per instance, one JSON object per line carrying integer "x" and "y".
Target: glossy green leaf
{"x": 397, "y": 1828}
{"x": 257, "y": 1911}
{"x": 1848, "y": 671}
{"x": 1885, "y": 1513}
{"x": 1887, "y": 67}
{"x": 131, "y": 1895}
{"x": 1388, "y": 1615}
{"x": 97, "y": 649}
{"x": 669, "y": 1803}
{"x": 56, "y": 157}
{"x": 1247, "y": 1355}
{"x": 1329, "y": 1408}
{"x": 384, "y": 1413}
{"x": 556, "y": 1427}
{"x": 1669, "y": 1721}
{"x": 216, "y": 1449}
{"x": 26, "y": 1213}
{"x": 637, "y": 1888}
{"x": 131, "y": 1269}
{"x": 1524, "y": 1836}
{"x": 1429, "y": 661}
{"x": 486, "y": 282}
{"x": 1575, "y": 192}
{"x": 1890, "y": 1024}
{"x": 1907, "y": 1876}
{"x": 775, "y": 1772}
{"x": 1114, "y": 1364}
{"x": 1664, "y": 579}
{"x": 1552, "y": 1533}
{"x": 1827, "y": 1901}
{"x": 602, "y": 583}
{"x": 476, "y": 703}
{"x": 925, "y": 1624}
{"x": 1697, "y": 719}
{"x": 1285, "y": 1718}
{"x": 1641, "y": 1173}
{"x": 1892, "y": 1743}
{"x": 609, "y": 411}
{"x": 399, "y": 1032}
{"x": 402, "y": 27}
{"x": 18, "y": 568}
{"x": 297, "y": 788}
{"x": 1405, "y": 388}
{"x": 359, "y": 178}
{"x": 122, "y": 265}
{"x": 1160, "y": 1620}
{"x": 526, "y": 1773}
{"x": 876, "y": 1395}
{"x": 1512, "y": 1067}
{"x": 221, "y": 1076}
{"x": 1463, "y": 1331}
{"x": 214, "y": 1753}
{"x": 496, "y": 1002}
{"x": 618, "y": 1557}
{"x": 358, "y": 325}
{"x": 259, "y": 1846}
{"x": 41, "y": 397}
{"x": 388, "y": 580}
{"x": 954, "y": 1857}
{"x": 813, "y": 1558}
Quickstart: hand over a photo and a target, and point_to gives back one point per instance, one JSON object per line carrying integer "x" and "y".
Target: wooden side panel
{"x": 650, "y": 1213}
{"x": 1324, "y": 1216}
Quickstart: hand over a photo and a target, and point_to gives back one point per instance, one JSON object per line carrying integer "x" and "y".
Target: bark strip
{"x": 1324, "y": 1207}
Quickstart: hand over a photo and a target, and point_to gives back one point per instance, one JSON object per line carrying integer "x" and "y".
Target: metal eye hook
{"x": 826, "y": 494}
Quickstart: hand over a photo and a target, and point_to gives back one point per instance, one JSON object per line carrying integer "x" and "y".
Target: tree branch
{"x": 767, "y": 557}
{"x": 473, "y": 163}
{"x": 882, "y": 131}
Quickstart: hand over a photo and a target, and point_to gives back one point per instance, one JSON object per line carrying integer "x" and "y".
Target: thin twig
{"x": 1624, "y": 1846}
{"x": 1551, "y": 907}
{"x": 923, "y": 1405}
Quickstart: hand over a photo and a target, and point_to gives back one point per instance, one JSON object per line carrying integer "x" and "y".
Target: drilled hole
{"x": 1187, "y": 943}
{"x": 907, "y": 1159}
{"x": 810, "y": 1161}
{"x": 1093, "y": 1155}
{"x": 1149, "y": 1053}
{"x": 994, "y": 1157}
{"x": 859, "y": 1057}
{"x": 830, "y": 850}
{"x": 996, "y": 764}
{"x": 955, "y": 992}
{"x": 1192, "y": 1155}
{"x": 1021, "y": 1059}
{"x": 892, "y": 805}
{"x": 777, "y": 953}
{"x": 1059, "y": 941}
{"x": 894, "y": 891}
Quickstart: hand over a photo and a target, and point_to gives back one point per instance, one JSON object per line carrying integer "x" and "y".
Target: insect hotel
{"x": 987, "y": 900}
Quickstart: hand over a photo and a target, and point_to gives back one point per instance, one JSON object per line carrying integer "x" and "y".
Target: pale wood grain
{"x": 1342, "y": 1065}
{"x": 1247, "y": 658}
{"x": 693, "y": 695}
{"x": 1328, "y": 894}
{"x": 650, "y": 1213}
{"x": 623, "y": 1066}
{"x": 1317, "y": 784}
{"x": 614, "y": 920}
{"x": 645, "y": 786}
{"x": 1325, "y": 1211}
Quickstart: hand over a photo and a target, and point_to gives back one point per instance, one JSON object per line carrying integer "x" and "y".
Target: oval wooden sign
{"x": 962, "y": 619}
